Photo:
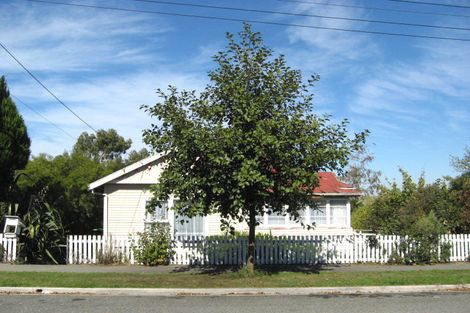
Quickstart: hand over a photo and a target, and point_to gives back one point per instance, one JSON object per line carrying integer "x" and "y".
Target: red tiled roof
{"x": 330, "y": 184}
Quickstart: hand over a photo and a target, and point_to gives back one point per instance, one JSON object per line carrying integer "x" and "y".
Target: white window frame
{"x": 326, "y": 212}
{"x": 308, "y": 217}
{"x": 330, "y": 216}
{"x": 203, "y": 225}
{"x": 150, "y": 217}
{"x": 174, "y": 221}
{"x": 279, "y": 217}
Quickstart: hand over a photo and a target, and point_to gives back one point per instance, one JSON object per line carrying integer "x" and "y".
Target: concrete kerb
{"x": 180, "y": 292}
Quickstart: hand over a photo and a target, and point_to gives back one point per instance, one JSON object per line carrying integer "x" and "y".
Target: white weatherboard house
{"x": 126, "y": 193}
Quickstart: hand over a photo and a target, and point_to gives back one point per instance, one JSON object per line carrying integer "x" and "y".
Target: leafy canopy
{"x": 66, "y": 178}
{"x": 248, "y": 141}
{"x": 398, "y": 209}
{"x": 105, "y": 145}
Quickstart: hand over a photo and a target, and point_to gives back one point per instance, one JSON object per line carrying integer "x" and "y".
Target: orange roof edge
{"x": 329, "y": 184}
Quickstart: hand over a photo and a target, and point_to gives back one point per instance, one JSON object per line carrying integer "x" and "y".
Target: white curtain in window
{"x": 193, "y": 226}
{"x": 338, "y": 212}
{"x": 318, "y": 214}
{"x": 160, "y": 212}
{"x": 276, "y": 219}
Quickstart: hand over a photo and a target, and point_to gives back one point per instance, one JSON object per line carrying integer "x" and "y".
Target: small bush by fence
{"x": 226, "y": 250}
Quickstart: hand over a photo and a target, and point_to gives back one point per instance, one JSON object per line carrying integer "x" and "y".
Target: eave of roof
{"x": 128, "y": 169}
{"x": 329, "y": 185}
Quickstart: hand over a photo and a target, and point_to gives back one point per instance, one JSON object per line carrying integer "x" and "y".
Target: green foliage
{"x": 422, "y": 244}
{"x": 460, "y": 191}
{"x": 425, "y": 236}
{"x": 67, "y": 177}
{"x": 446, "y": 250}
{"x": 249, "y": 140}
{"x": 462, "y": 164}
{"x": 155, "y": 245}
{"x": 135, "y": 156}
{"x": 396, "y": 210}
{"x": 42, "y": 239}
{"x": 105, "y": 145}
{"x": 14, "y": 142}
{"x": 360, "y": 216}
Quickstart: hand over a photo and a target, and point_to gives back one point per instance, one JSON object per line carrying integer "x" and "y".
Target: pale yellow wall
{"x": 126, "y": 208}
{"x": 147, "y": 175}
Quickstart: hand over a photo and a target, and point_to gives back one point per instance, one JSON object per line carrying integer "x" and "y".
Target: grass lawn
{"x": 232, "y": 279}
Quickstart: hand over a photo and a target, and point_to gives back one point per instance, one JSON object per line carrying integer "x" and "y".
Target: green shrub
{"x": 396, "y": 258}
{"x": 154, "y": 246}
{"x": 424, "y": 236}
{"x": 445, "y": 252}
{"x": 44, "y": 236}
{"x": 422, "y": 245}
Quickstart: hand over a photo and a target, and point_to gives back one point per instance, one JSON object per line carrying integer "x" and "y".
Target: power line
{"x": 433, "y": 3}
{"x": 258, "y": 22}
{"x": 45, "y": 88}
{"x": 42, "y": 116}
{"x": 304, "y": 15}
{"x": 375, "y": 8}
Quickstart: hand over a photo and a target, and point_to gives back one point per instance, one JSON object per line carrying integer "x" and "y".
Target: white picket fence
{"x": 358, "y": 248}
{"x": 8, "y": 248}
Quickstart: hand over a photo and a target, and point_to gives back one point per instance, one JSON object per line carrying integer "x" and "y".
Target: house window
{"x": 276, "y": 218}
{"x": 302, "y": 218}
{"x": 338, "y": 212}
{"x": 318, "y": 214}
{"x": 160, "y": 212}
{"x": 189, "y": 226}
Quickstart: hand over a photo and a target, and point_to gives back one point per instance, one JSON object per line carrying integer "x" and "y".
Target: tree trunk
{"x": 250, "y": 262}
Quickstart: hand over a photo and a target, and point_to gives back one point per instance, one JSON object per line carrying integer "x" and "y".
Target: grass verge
{"x": 232, "y": 279}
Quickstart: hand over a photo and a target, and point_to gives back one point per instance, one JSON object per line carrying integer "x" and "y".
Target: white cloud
{"x": 104, "y": 65}
{"x": 329, "y": 47}
{"x": 434, "y": 85}
{"x": 109, "y": 102}
{"x": 54, "y": 38}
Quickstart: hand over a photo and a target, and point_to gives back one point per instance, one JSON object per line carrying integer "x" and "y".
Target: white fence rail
{"x": 8, "y": 248}
{"x": 358, "y": 248}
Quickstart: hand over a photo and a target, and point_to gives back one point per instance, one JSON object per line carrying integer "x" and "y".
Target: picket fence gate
{"x": 323, "y": 249}
{"x": 8, "y": 248}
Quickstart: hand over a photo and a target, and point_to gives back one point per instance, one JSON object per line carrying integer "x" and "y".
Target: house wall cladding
{"x": 126, "y": 208}
{"x": 324, "y": 249}
{"x": 125, "y": 214}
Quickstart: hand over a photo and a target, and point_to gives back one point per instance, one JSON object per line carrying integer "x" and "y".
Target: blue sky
{"x": 412, "y": 94}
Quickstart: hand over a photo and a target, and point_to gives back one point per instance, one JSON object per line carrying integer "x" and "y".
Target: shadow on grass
{"x": 260, "y": 269}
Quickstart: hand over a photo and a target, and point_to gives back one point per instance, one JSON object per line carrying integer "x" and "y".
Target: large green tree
{"x": 66, "y": 178}
{"x": 14, "y": 141}
{"x": 249, "y": 142}
{"x": 104, "y": 146}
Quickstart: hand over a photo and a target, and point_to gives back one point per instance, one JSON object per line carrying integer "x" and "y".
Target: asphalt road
{"x": 412, "y": 303}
